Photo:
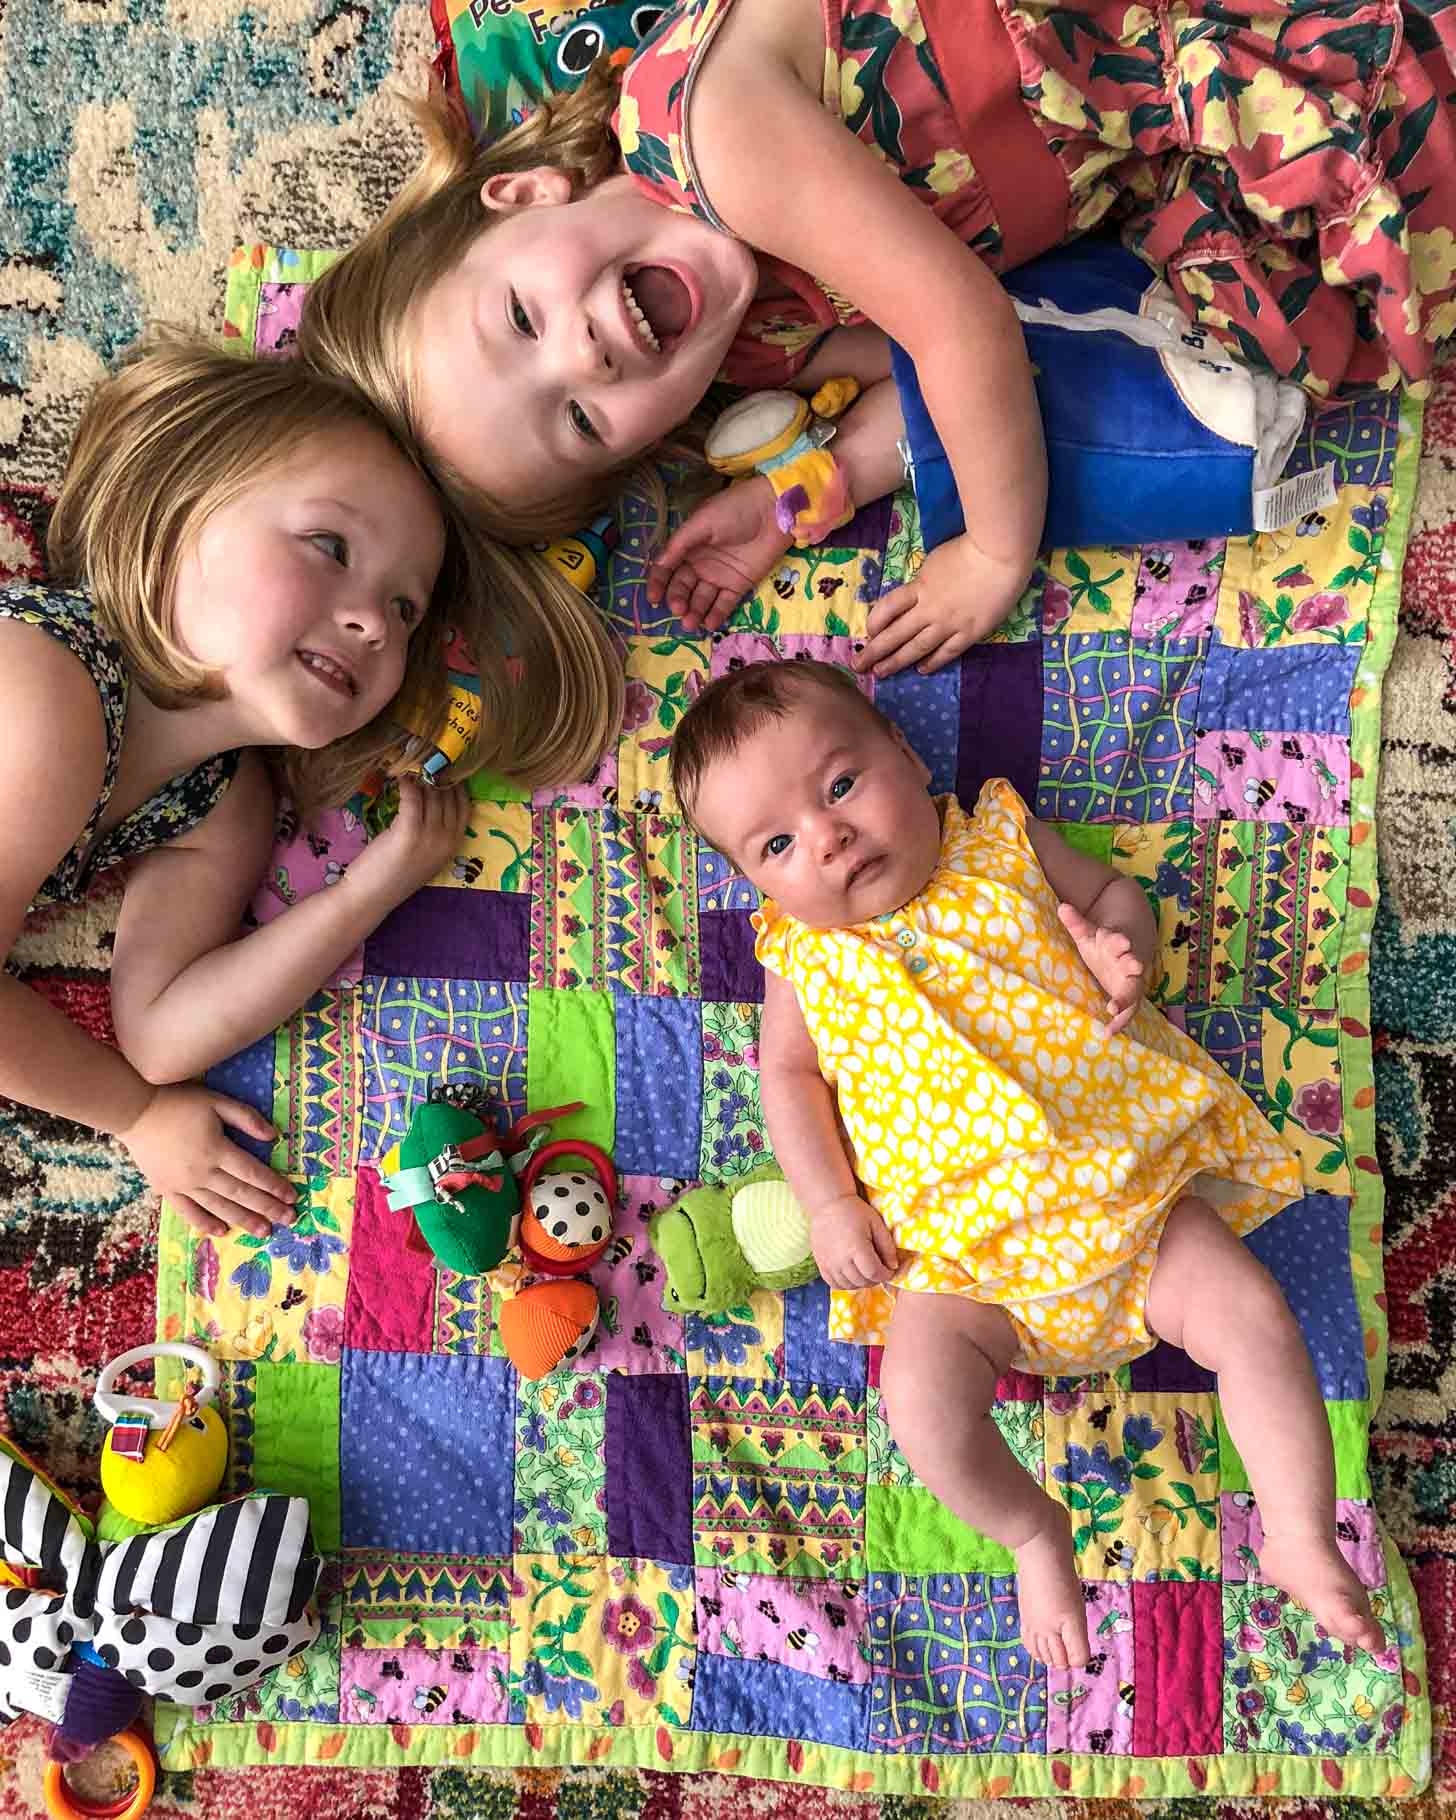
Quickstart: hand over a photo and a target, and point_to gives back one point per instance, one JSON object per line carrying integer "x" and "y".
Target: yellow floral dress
{"x": 1017, "y": 1157}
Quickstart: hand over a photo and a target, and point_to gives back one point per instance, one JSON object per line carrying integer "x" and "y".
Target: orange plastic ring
{"x": 63, "y": 1803}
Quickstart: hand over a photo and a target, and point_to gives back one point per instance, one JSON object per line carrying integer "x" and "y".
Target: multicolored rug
{"x": 122, "y": 210}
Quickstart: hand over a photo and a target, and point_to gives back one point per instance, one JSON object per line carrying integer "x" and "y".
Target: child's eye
{"x": 776, "y": 844}
{"x": 332, "y": 545}
{"x": 408, "y": 611}
{"x": 520, "y": 317}
{"x": 581, "y": 423}
{"x": 841, "y": 787}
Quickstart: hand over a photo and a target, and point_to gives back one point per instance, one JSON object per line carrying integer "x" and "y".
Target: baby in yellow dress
{"x": 1007, "y": 1156}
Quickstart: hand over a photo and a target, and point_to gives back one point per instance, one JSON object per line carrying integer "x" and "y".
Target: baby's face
{"x": 826, "y": 812}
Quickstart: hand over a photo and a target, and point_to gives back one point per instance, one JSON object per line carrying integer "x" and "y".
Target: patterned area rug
{"x": 278, "y": 124}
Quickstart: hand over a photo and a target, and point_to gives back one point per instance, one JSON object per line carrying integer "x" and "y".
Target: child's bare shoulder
{"x": 52, "y": 757}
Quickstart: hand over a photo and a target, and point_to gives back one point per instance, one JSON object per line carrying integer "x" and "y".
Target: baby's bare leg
{"x": 943, "y": 1356}
{"x": 1210, "y": 1295}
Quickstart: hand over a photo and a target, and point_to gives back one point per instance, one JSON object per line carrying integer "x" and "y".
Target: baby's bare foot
{"x": 1053, "y": 1611}
{"x": 1317, "y": 1576}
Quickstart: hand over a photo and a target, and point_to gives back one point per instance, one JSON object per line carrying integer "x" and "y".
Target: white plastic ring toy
{"x": 112, "y": 1404}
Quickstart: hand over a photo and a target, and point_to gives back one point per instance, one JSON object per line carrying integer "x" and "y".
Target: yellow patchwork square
{"x": 1138, "y": 1474}
{"x": 741, "y": 1342}
{"x": 1308, "y": 583}
{"x": 279, "y": 1298}
{"x": 1089, "y": 590}
{"x": 820, "y": 590}
{"x": 606, "y": 1645}
{"x": 1305, "y": 1093}
{"x": 495, "y": 854}
{"x": 664, "y": 674}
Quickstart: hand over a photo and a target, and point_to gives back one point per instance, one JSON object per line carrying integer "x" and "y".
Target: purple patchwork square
{"x": 280, "y": 309}
{"x": 649, "y": 1468}
{"x": 1307, "y": 1249}
{"x": 659, "y": 1085}
{"x": 731, "y": 975}
{"x": 427, "y": 1452}
{"x": 1169, "y": 1368}
{"x": 1000, "y": 718}
{"x": 1287, "y": 689}
{"x": 454, "y": 934}
{"x": 949, "y": 1670}
{"x": 636, "y": 1333}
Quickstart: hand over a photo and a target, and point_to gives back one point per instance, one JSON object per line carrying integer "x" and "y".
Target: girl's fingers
{"x": 952, "y": 648}
{"x": 888, "y": 641}
{"x": 231, "y": 1214}
{"x": 200, "y": 1221}
{"x": 726, "y": 603}
{"x": 256, "y": 1187}
{"x": 704, "y": 598}
{"x": 243, "y": 1117}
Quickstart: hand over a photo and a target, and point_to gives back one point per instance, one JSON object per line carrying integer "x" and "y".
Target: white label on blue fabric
{"x": 1295, "y": 498}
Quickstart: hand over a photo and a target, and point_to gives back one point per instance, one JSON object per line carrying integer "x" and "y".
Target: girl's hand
{"x": 852, "y": 1244}
{"x": 425, "y": 835}
{"x": 181, "y": 1146}
{"x": 1109, "y": 958}
{"x": 721, "y": 551}
{"x": 956, "y": 596}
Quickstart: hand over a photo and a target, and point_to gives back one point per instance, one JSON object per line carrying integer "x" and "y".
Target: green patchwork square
{"x": 296, "y": 1440}
{"x": 909, "y": 1531}
{"x": 571, "y": 1054}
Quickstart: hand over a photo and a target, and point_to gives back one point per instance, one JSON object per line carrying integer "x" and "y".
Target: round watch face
{"x": 753, "y": 423}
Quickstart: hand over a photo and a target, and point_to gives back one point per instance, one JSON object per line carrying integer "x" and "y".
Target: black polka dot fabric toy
{"x": 94, "y": 1615}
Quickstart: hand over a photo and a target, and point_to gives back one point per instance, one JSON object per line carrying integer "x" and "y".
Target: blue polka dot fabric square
{"x": 659, "y": 1085}
{"x": 949, "y": 1671}
{"x": 1307, "y": 1249}
{"x": 426, "y": 1452}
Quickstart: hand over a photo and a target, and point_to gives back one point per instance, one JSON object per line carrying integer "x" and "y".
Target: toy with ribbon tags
{"x": 458, "y": 1178}
{"x": 196, "y": 1611}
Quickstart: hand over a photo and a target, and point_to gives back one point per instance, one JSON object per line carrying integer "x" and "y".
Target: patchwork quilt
{"x": 698, "y": 1547}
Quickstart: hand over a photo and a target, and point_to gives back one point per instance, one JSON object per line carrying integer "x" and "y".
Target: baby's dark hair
{"x": 733, "y": 708}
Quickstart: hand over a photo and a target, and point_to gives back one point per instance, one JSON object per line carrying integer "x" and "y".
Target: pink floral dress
{"x": 1288, "y": 165}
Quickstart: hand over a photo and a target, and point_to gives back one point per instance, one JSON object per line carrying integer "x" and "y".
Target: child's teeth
{"x": 644, "y": 327}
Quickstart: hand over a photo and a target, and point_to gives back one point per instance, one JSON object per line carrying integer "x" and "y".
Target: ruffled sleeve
{"x": 776, "y": 939}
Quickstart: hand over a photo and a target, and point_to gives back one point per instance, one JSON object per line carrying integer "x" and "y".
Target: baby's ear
{"x": 526, "y": 189}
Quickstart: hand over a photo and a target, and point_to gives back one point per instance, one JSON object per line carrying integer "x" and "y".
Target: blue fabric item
{"x": 1306, "y": 1248}
{"x": 734, "y": 1694}
{"x": 1127, "y": 462}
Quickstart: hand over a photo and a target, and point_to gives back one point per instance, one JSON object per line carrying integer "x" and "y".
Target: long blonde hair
{"x": 356, "y": 317}
{"x": 185, "y": 426}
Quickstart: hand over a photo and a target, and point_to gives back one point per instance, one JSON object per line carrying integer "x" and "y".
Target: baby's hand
{"x": 721, "y": 551}
{"x": 1109, "y": 958}
{"x": 181, "y": 1145}
{"x": 852, "y": 1244}
{"x": 956, "y": 596}
{"x": 424, "y": 837}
